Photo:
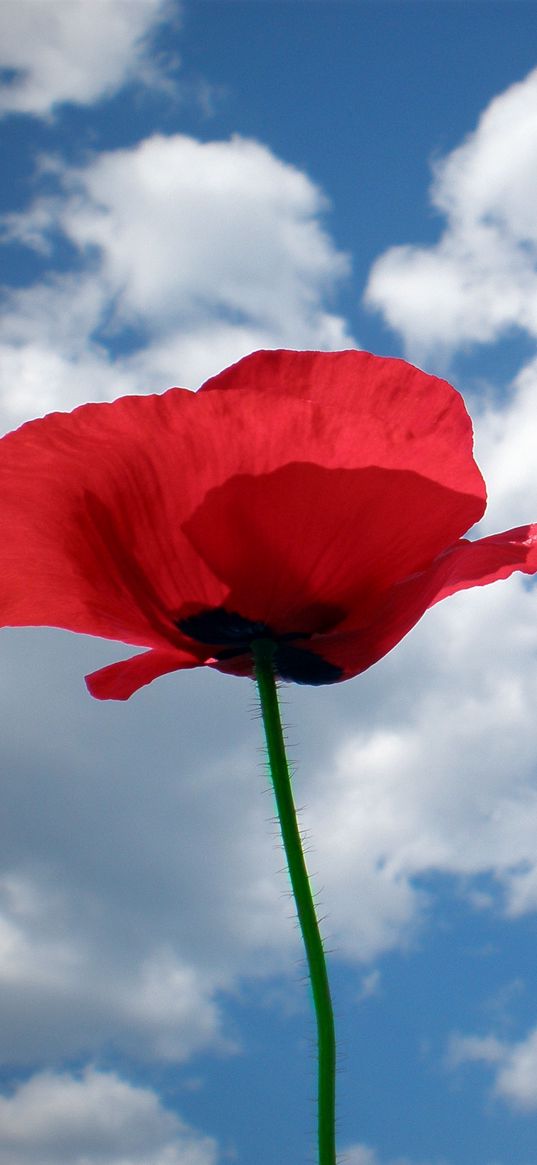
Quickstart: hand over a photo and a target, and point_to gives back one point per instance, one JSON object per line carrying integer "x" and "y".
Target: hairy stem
{"x": 263, "y": 652}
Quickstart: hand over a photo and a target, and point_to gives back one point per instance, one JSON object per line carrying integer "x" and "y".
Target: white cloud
{"x": 73, "y": 51}
{"x": 514, "y": 1065}
{"x": 140, "y": 876}
{"x": 186, "y": 228}
{"x": 516, "y": 1080}
{"x": 365, "y": 1155}
{"x": 505, "y": 449}
{"x": 480, "y": 280}
{"x": 360, "y": 1155}
{"x": 370, "y": 985}
{"x": 474, "y": 1049}
{"x": 61, "y": 1119}
{"x": 48, "y": 359}
{"x": 202, "y": 251}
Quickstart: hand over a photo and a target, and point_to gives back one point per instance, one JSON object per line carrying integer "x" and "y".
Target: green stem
{"x": 263, "y": 652}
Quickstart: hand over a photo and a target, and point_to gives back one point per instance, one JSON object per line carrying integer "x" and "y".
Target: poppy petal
{"x": 395, "y": 415}
{"x": 304, "y": 537}
{"x": 490, "y": 559}
{"x": 467, "y": 564}
{"x": 120, "y": 680}
{"x": 78, "y": 495}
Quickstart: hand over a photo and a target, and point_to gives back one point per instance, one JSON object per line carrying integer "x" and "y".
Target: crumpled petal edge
{"x": 461, "y": 567}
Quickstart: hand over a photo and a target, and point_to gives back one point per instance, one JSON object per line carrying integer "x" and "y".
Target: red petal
{"x": 489, "y": 559}
{"x": 303, "y": 537}
{"x": 467, "y": 564}
{"x": 396, "y": 415}
{"x": 78, "y": 501}
{"x": 120, "y": 680}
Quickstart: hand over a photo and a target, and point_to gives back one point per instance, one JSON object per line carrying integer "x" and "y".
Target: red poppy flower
{"x": 316, "y": 498}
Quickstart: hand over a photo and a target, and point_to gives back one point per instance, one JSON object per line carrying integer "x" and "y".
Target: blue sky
{"x": 185, "y": 183}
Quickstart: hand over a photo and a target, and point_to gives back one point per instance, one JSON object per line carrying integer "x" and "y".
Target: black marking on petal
{"x": 299, "y": 666}
{"x": 217, "y": 625}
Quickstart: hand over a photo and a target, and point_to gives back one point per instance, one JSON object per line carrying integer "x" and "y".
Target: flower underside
{"x": 232, "y": 636}
{"x": 315, "y": 500}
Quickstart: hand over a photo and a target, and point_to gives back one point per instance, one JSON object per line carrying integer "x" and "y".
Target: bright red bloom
{"x": 316, "y": 498}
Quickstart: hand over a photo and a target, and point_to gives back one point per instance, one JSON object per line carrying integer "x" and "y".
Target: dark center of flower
{"x": 232, "y": 635}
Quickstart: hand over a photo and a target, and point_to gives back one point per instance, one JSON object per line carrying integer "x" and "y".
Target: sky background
{"x": 184, "y": 183}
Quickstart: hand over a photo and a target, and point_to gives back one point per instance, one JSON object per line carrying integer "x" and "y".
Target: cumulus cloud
{"x": 365, "y": 1155}
{"x": 516, "y": 1079}
{"x": 140, "y": 876}
{"x": 62, "y": 1119}
{"x": 514, "y": 1065}
{"x": 505, "y": 449}
{"x": 49, "y": 356}
{"x": 360, "y": 1155}
{"x": 185, "y": 227}
{"x": 480, "y": 280}
{"x": 54, "y": 52}
{"x": 189, "y": 255}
